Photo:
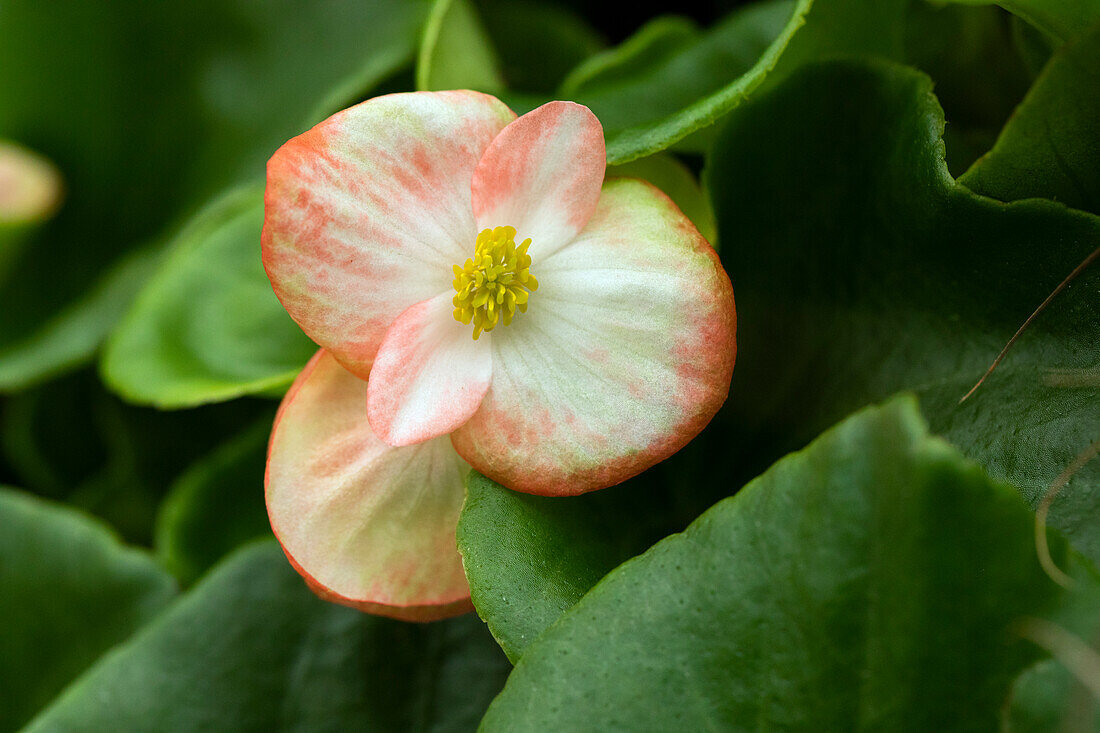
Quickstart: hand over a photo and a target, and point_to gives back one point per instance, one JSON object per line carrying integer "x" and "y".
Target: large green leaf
{"x": 207, "y": 326}
{"x": 1051, "y": 146}
{"x": 251, "y": 649}
{"x": 862, "y": 268}
{"x": 175, "y": 102}
{"x": 530, "y": 558}
{"x": 71, "y": 591}
{"x": 217, "y": 505}
{"x": 869, "y": 582}
{"x": 1061, "y": 19}
{"x": 670, "y": 80}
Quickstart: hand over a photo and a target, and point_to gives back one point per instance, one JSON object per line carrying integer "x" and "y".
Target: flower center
{"x": 495, "y": 282}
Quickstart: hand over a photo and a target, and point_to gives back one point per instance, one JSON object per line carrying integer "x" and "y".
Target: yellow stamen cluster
{"x": 495, "y": 282}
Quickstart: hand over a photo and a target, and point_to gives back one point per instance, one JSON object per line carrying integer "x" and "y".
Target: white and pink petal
{"x": 366, "y": 212}
{"x": 542, "y": 175}
{"x": 624, "y": 355}
{"x": 367, "y": 525}
{"x": 429, "y": 374}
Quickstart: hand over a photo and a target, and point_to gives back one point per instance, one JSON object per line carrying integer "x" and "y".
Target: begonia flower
{"x": 482, "y": 298}
{"x": 30, "y": 187}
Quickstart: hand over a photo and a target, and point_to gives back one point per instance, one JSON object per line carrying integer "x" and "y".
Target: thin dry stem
{"x": 1042, "y": 306}
{"x": 1041, "y": 512}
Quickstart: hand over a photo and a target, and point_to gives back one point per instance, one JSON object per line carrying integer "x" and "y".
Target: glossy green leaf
{"x": 176, "y": 101}
{"x": 677, "y": 181}
{"x": 530, "y": 558}
{"x": 70, "y": 591}
{"x": 1063, "y": 20}
{"x": 455, "y": 51}
{"x": 670, "y": 80}
{"x": 207, "y": 327}
{"x": 867, "y": 582}
{"x": 251, "y": 648}
{"x": 861, "y": 268}
{"x": 1051, "y": 146}
{"x": 216, "y": 506}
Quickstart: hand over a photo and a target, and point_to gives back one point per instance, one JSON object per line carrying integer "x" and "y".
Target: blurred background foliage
{"x": 142, "y": 351}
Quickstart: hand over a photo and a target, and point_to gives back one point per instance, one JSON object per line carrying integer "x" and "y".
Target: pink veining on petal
{"x": 429, "y": 375}
{"x": 341, "y": 503}
{"x": 542, "y": 175}
{"x": 613, "y": 416}
{"x": 366, "y": 212}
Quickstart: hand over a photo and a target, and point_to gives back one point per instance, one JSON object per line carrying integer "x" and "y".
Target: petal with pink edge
{"x": 366, "y": 525}
{"x": 429, "y": 375}
{"x": 542, "y": 175}
{"x": 366, "y": 212}
{"x": 624, "y": 355}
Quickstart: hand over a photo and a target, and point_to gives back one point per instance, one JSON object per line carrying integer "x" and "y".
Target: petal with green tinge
{"x": 623, "y": 356}
{"x": 542, "y": 176}
{"x": 429, "y": 375}
{"x": 366, "y": 213}
{"x": 366, "y": 525}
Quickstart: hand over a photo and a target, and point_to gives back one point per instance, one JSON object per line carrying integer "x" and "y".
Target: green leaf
{"x": 70, "y": 439}
{"x": 216, "y": 506}
{"x": 1051, "y": 146}
{"x": 70, "y": 337}
{"x": 1047, "y": 697}
{"x": 530, "y": 558}
{"x": 48, "y": 69}
{"x": 250, "y": 647}
{"x": 973, "y": 56}
{"x": 861, "y": 268}
{"x": 867, "y": 582}
{"x": 538, "y": 43}
{"x": 176, "y": 102}
{"x": 670, "y": 80}
{"x": 455, "y": 51}
{"x": 71, "y": 591}
{"x": 207, "y": 327}
{"x": 1063, "y": 20}
{"x": 675, "y": 179}
{"x": 274, "y": 69}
